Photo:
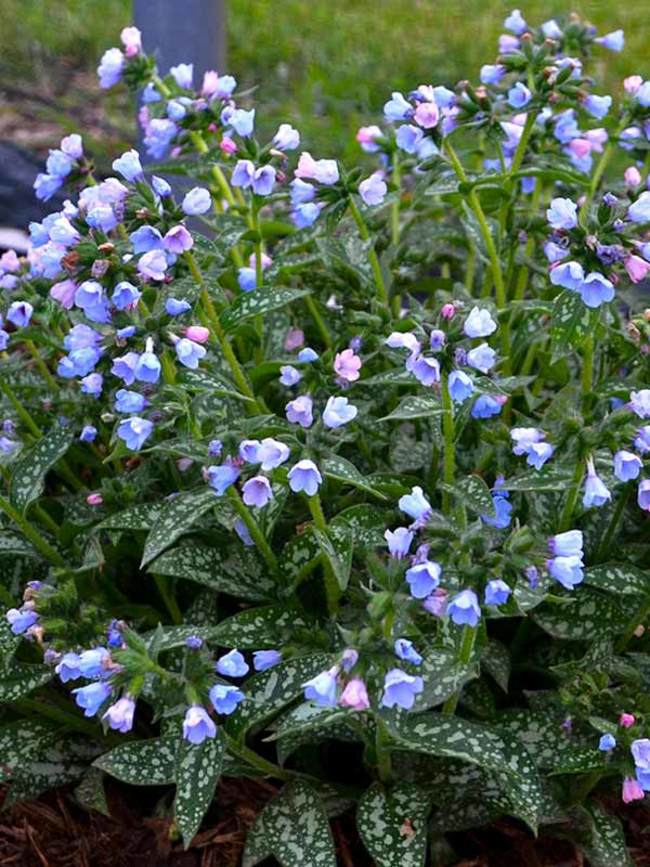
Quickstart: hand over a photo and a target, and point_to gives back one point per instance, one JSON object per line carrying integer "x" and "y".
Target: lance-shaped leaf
{"x": 473, "y": 492}
{"x": 337, "y": 549}
{"x": 266, "y": 627}
{"x": 415, "y": 406}
{"x": 392, "y": 824}
{"x": 495, "y": 659}
{"x": 237, "y": 571}
{"x": 18, "y": 680}
{"x": 310, "y": 724}
{"x": 20, "y": 743}
{"x": 295, "y": 829}
{"x": 251, "y": 304}
{"x": 336, "y": 467}
{"x": 140, "y": 517}
{"x": 177, "y": 518}
{"x": 588, "y": 615}
{"x": 547, "y": 479}
{"x": 28, "y": 473}
{"x": 142, "y": 763}
{"x": 366, "y": 524}
{"x": 619, "y": 578}
{"x": 443, "y": 675}
{"x": 605, "y": 846}
{"x": 14, "y": 545}
{"x": 571, "y": 322}
{"x": 198, "y": 768}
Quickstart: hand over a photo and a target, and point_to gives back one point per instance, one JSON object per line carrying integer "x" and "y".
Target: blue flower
{"x": 460, "y": 386}
{"x": 159, "y": 135}
{"x": 263, "y": 181}
{"x": 242, "y": 121}
{"x": 247, "y": 278}
{"x": 134, "y": 432}
{"x": 596, "y": 290}
{"x": 338, "y": 412}
{"x": 183, "y": 74}
{"x": 221, "y": 477}
{"x": 519, "y": 95}
{"x": 399, "y": 541}
{"x": 306, "y": 215}
{"x": 129, "y": 401}
{"x": 58, "y": 164}
{"x": 305, "y": 476}
{"x": 615, "y": 40}
{"x": 405, "y": 651}
{"x": 426, "y": 370}
{"x": 423, "y": 578}
{"x": 289, "y": 375}
{"x": 225, "y": 698}
{"x": 286, "y": 138}
{"x": 197, "y": 725}
{"x": 20, "y": 313}
{"x": 196, "y": 202}
{"x": 68, "y": 667}
{"x": 129, "y": 166}
{"x": 232, "y": 664}
{"x": 299, "y": 411}
{"x": 503, "y": 511}
{"x": 110, "y": 67}
{"x": 119, "y": 716}
{"x": 145, "y": 239}
{"x": 515, "y": 23}
{"x": 492, "y": 74}
{"x": 307, "y": 355}
{"x": 497, "y": 592}
{"x": 416, "y": 505}
{"x": 265, "y": 659}
{"x": 595, "y": 493}
{"x": 189, "y": 353}
{"x": 568, "y": 571}
{"x": 409, "y": 138}
{"x": 400, "y": 689}
{"x": 464, "y": 608}
{"x": 161, "y": 187}
{"x": 20, "y": 620}
{"x": 125, "y": 295}
{"x": 487, "y": 405}
{"x": 92, "y": 662}
{"x": 397, "y": 108}
{"x": 257, "y": 491}
{"x": 482, "y": 357}
{"x": 373, "y": 189}
{"x": 176, "y": 307}
{"x": 597, "y": 106}
{"x": 92, "y": 384}
{"x": 607, "y": 743}
{"x": 570, "y": 275}
{"x": 479, "y": 323}
{"x": 562, "y": 214}
{"x": 45, "y": 186}
{"x": 322, "y": 688}
{"x": 567, "y": 544}
{"x": 88, "y": 434}
{"x": 627, "y": 465}
{"x": 147, "y": 368}
{"x": 90, "y": 698}
{"x": 639, "y": 211}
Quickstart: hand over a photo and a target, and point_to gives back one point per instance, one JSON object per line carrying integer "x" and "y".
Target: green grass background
{"x": 326, "y": 65}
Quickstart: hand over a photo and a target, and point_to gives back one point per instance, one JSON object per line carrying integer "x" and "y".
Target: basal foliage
{"x": 336, "y": 476}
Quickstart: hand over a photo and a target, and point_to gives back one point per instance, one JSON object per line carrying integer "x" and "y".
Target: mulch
{"x": 54, "y": 831}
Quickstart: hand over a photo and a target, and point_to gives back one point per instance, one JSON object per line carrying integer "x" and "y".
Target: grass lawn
{"x": 326, "y": 65}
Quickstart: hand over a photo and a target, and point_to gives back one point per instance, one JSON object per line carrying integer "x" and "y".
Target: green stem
{"x": 241, "y": 751}
{"x": 464, "y": 656}
{"x": 384, "y": 766}
{"x": 495, "y": 265}
{"x": 253, "y": 528}
{"x": 587, "y": 371}
{"x": 164, "y": 587}
{"x": 42, "y": 367}
{"x": 449, "y": 454}
{"x": 332, "y": 589}
{"x": 612, "y": 527}
{"x": 572, "y": 498}
{"x": 382, "y": 292}
{"x": 395, "y": 207}
{"x": 518, "y": 158}
{"x": 319, "y": 322}
{"x": 20, "y": 410}
{"x": 31, "y": 533}
{"x": 634, "y": 623}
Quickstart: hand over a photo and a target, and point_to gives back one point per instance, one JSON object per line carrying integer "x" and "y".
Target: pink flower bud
{"x": 197, "y": 333}
{"x": 580, "y": 147}
{"x": 355, "y": 695}
{"x": 266, "y": 261}
{"x": 183, "y": 464}
{"x": 632, "y": 791}
{"x": 294, "y": 340}
{"x": 632, "y": 83}
{"x": 637, "y": 268}
{"x": 94, "y": 499}
{"x": 626, "y": 720}
{"x": 632, "y": 176}
{"x": 227, "y": 145}
{"x": 447, "y": 311}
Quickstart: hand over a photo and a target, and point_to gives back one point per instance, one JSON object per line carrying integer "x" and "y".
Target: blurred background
{"x": 327, "y": 66}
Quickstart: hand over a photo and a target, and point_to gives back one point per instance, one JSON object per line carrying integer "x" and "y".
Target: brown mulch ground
{"x": 55, "y": 832}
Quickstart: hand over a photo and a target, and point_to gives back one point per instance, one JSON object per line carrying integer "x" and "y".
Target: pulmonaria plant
{"x": 310, "y": 454}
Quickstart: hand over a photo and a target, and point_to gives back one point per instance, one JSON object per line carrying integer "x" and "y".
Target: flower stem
{"x": 384, "y": 766}
{"x": 319, "y": 322}
{"x": 613, "y": 526}
{"x": 449, "y": 455}
{"x": 21, "y": 412}
{"x": 253, "y": 528}
{"x": 332, "y": 589}
{"x": 587, "y": 371}
{"x": 395, "y": 207}
{"x": 572, "y": 498}
{"x": 42, "y": 367}
{"x": 464, "y": 657}
{"x": 31, "y": 533}
{"x": 164, "y": 587}
{"x": 382, "y": 292}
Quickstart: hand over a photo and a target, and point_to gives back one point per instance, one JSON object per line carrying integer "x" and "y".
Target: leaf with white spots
{"x": 20, "y": 743}
{"x": 473, "y": 492}
{"x": 198, "y": 768}
{"x": 620, "y": 579}
{"x": 28, "y": 473}
{"x": 177, "y": 518}
{"x": 268, "y": 627}
{"x": 169, "y": 637}
{"x": 587, "y": 615}
{"x": 336, "y": 467}
{"x": 310, "y": 724}
{"x": 14, "y": 545}
{"x": 415, "y": 406}
{"x": 392, "y": 823}
{"x": 443, "y": 675}
{"x": 238, "y": 572}
{"x": 337, "y": 549}
{"x": 19, "y": 679}
{"x": 606, "y": 839}
{"x": 140, "y": 517}
{"x": 296, "y": 829}
{"x": 495, "y": 659}
{"x": 546, "y": 479}
{"x": 366, "y": 523}
{"x": 571, "y": 322}
{"x": 261, "y": 301}
{"x": 142, "y": 763}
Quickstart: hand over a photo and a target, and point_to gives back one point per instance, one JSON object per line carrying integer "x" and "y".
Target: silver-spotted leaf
{"x": 392, "y": 824}
{"x": 198, "y": 768}
{"x": 28, "y": 473}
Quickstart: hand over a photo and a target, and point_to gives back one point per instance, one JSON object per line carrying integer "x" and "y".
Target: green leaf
{"x": 495, "y": 659}
{"x": 336, "y": 467}
{"x": 139, "y": 517}
{"x": 392, "y": 824}
{"x": 142, "y": 763}
{"x": 178, "y": 517}
{"x": 256, "y": 628}
{"x": 366, "y": 524}
{"x": 337, "y": 548}
{"x": 251, "y": 304}
{"x": 622, "y": 579}
{"x": 606, "y": 846}
{"x": 296, "y": 830}
{"x": 270, "y": 691}
{"x": 238, "y": 572}
{"x": 571, "y": 322}
{"x": 310, "y": 724}
{"x": 28, "y": 475}
{"x": 169, "y": 637}
{"x": 546, "y": 479}
{"x": 198, "y": 769}
{"x": 541, "y": 733}
{"x": 14, "y": 545}
{"x": 473, "y": 492}
{"x": 588, "y": 614}
{"x": 443, "y": 675}
{"x": 453, "y": 737}
{"x": 20, "y": 743}
{"x": 18, "y": 680}
{"x": 415, "y": 406}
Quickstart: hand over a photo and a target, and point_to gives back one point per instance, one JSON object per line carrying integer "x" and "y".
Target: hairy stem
{"x": 382, "y": 292}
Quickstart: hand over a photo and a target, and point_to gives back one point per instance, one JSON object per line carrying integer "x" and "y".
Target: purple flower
{"x": 305, "y": 476}
{"x": 20, "y": 313}
{"x": 110, "y": 67}
{"x": 20, "y": 620}
{"x": 568, "y": 571}
{"x": 257, "y": 492}
{"x": 349, "y": 659}
{"x": 322, "y": 688}
{"x": 263, "y": 181}
{"x": 178, "y": 240}
{"x": 286, "y": 138}
{"x": 627, "y": 465}
{"x": 197, "y": 725}
{"x": 405, "y": 651}
{"x": 289, "y": 375}
{"x": 242, "y": 122}
{"x": 567, "y": 544}
{"x": 607, "y": 743}
{"x": 221, "y": 477}
{"x": 643, "y": 495}
{"x": 120, "y": 715}
{"x": 597, "y": 106}
{"x": 160, "y": 133}
{"x": 147, "y": 368}
{"x": 562, "y": 214}
{"x": 271, "y": 454}
{"x": 464, "y": 608}
{"x": 183, "y": 74}
{"x": 373, "y": 189}
{"x": 479, "y": 323}
{"x": 519, "y": 95}
{"x": 492, "y": 74}
{"x": 397, "y": 108}
{"x": 299, "y": 411}
{"x": 225, "y": 698}
{"x": 92, "y": 384}
{"x": 416, "y": 505}
{"x": 265, "y": 659}
{"x": 639, "y": 211}
{"x": 595, "y": 494}
{"x": 153, "y": 265}
{"x": 91, "y": 697}
{"x": 423, "y": 578}
{"x": 426, "y": 370}
{"x": 125, "y": 295}
{"x": 338, "y": 412}
{"x": 134, "y": 432}
{"x": 615, "y": 40}
{"x": 399, "y": 542}
{"x": 196, "y": 202}
{"x": 497, "y": 592}
{"x": 515, "y": 23}
{"x": 232, "y": 664}
{"x": 176, "y": 307}
{"x": 346, "y": 365}
{"x": 400, "y": 689}
{"x": 640, "y": 403}
{"x": 409, "y": 138}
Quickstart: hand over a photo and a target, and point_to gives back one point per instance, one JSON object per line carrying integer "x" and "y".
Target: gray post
{"x": 192, "y": 31}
